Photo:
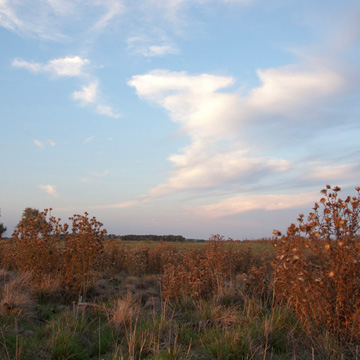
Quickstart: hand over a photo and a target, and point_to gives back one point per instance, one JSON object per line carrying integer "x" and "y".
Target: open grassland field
{"x": 255, "y": 245}
{"x": 161, "y": 301}
{"x": 77, "y": 295}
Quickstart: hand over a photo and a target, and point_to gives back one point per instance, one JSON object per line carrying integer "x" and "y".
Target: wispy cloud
{"x": 43, "y": 144}
{"x": 107, "y": 110}
{"x": 95, "y": 175}
{"x": 31, "y": 66}
{"x": 216, "y": 167}
{"x": 49, "y": 189}
{"x": 122, "y": 205}
{"x": 54, "y": 19}
{"x": 88, "y": 140}
{"x": 150, "y": 47}
{"x": 113, "y": 8}
{"x": 65, "y": 20}
{"x": 330, "y": 173}
{"x": 243, "y": 203}
{"x": 38, "y": 143}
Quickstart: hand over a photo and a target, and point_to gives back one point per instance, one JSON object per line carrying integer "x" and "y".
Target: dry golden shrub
{"x": 36, "y": 246}
{"x": 161, "y": 255}
{"x": 6, "y": 255}
{"x": 81, "y": 255}
{"x": 113, "y": 259}
{"x": 44, "y": 247}
{"x": 138, "y": 261}
{"x": 317, "y": 268}
{"x": 205, "y": 272}
{"x": 192, "y": 277}
{"x": 258, "y": 283}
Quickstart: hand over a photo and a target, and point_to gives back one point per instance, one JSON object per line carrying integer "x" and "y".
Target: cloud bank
{"x": 213, "y": 118}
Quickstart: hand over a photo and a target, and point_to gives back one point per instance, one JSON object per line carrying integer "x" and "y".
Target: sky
{"x": 189, "y": 117}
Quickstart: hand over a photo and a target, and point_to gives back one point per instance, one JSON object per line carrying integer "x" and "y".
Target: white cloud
{"x": 39, "y": 143}
{"x": 192, "y": 101}
{"x": 67, "y": 66}
{"x": 50, "y": 189}
{"x": 72, "y": 66}
{"x": 243, "y": 203}
{"x": 287, "y": 88}
{"x": 87, "y": 94}
{"x": 51, "y": 142}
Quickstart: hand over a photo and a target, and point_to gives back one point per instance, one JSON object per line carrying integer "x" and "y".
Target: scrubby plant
{"x": 46, "y": 248}
{"x": 317, "y": 268}
{"x": 211, "y": 270}
{"x": 81, "y": 255}
{"x": 33, "y": 217}
{"x": 36, "y": 245}
{"x": 191, "y": 277}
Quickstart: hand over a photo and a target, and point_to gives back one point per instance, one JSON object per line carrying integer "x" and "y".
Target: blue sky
{"x": 191, "y": 117}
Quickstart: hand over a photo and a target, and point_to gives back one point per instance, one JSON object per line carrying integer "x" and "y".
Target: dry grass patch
{"x": 15, "y": 295}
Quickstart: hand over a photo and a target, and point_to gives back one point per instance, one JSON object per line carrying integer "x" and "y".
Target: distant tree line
{"x": 174, "y": 238}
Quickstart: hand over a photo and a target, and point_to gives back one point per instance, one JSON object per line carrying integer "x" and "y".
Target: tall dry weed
{"x": 317, "y": 269}
{"x": 36, "y": 245}
{"x": 81, "y": 255}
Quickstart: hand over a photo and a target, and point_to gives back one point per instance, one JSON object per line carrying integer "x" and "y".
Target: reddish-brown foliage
{"x": 50, "y": 249}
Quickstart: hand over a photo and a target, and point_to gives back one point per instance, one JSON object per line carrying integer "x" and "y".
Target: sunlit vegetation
{"x": 68, "y": 292}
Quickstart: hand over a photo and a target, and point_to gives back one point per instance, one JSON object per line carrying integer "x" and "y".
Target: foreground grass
{"x": 125, "y": 317}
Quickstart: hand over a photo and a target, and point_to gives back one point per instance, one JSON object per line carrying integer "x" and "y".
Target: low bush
{"x": 49, "y": 251}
